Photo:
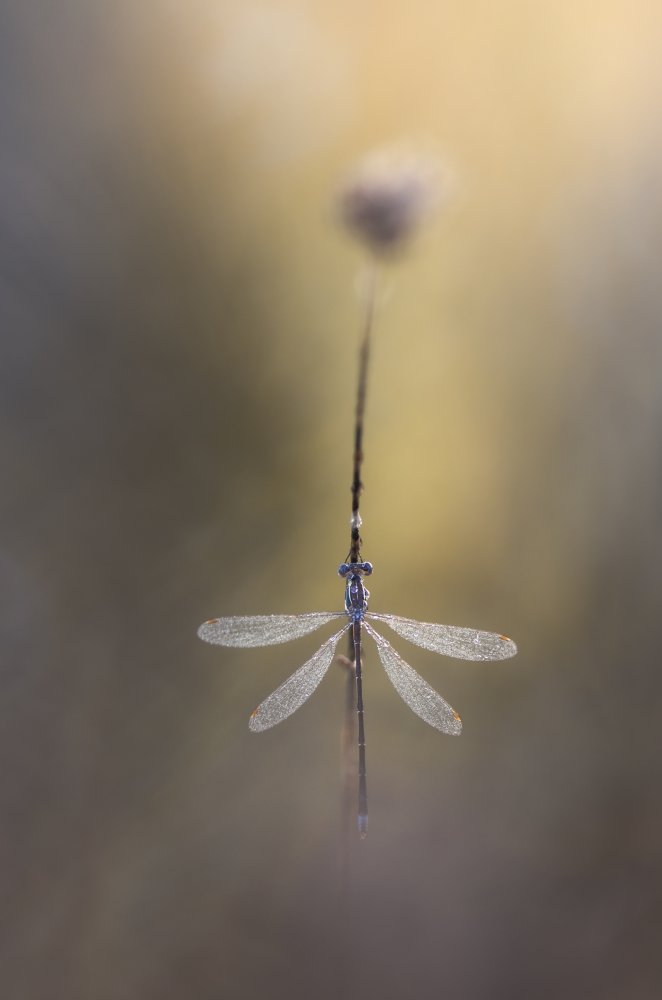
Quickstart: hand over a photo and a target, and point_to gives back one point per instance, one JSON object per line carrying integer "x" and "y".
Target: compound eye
{"x": 367, "y": 568}
{"x": 343, "y": 570}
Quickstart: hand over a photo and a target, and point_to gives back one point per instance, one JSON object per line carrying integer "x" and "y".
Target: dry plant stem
{"x": 353, "y": 690}
{"x": 355, "y": 537}
{"x": 364, "y": 358}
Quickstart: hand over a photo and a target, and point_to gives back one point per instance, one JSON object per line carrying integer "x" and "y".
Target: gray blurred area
{"x": 177, "y": 366}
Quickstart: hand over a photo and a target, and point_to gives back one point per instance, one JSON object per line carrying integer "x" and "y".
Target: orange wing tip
{"x": 212, "y": 621}
{"x": 457, "y": 717}
{"x": 506, "y": 638}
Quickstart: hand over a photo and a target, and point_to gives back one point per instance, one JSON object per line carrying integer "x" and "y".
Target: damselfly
{"x": 267, "y": 630}
{"x": 373, "y": 210}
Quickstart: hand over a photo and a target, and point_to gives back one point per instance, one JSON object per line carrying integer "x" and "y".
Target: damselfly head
{"x": 357, "y": 569}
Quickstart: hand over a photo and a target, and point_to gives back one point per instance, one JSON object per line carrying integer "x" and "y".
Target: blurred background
{"x": 178, "y": 360}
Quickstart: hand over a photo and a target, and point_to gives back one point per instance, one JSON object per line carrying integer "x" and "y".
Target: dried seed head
{"x": 387, "y": 197}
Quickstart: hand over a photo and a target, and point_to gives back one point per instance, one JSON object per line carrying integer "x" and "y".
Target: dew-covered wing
{"x": 296, "y": 689}
{"x": 451, "y": 640}
{"x": 417, "y": 693}
{"x": 263, "y": 630}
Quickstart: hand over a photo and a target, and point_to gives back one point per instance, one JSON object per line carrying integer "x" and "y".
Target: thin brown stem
{"x": 364, "y": 358}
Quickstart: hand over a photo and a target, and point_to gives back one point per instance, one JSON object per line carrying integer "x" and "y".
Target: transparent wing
{"x": 417, "y": 693}
{"x": 296, "y": 689}
{"x": 463, "y": 643}
{"x": 263, "y": 630}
